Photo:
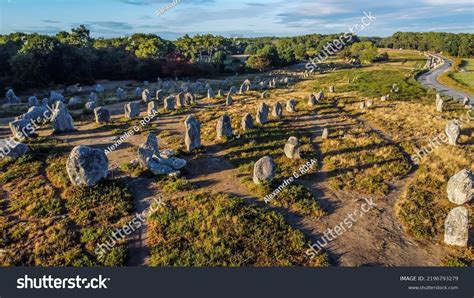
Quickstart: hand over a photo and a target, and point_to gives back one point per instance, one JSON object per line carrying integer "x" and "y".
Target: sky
{"x": 233, "y": 18}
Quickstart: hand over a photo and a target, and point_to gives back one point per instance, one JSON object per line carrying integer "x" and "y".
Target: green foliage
{"x": 460, "y": 45}
{"x": 103, "y": 203}
{"x": 220, "y": 230}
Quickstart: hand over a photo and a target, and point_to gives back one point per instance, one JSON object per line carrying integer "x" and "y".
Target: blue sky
{"x": 235, "y": 18}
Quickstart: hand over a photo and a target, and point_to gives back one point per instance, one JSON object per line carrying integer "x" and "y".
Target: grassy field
{"x": 48, "y": 222}
{"x": 463, "y": 81}
{"x": 220, "y": 230}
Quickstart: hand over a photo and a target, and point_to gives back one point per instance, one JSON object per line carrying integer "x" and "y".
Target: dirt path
{"x": 377, "y": 237}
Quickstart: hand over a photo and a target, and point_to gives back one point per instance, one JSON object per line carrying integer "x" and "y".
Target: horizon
{"x": 269, "y": 18}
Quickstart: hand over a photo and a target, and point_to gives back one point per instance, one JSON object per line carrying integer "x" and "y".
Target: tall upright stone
{"x": 102, "y": 115}
{"x": 193, "y": 133}
{"x": 453, "y": 131}
{"x": 132, "y": 110}
{"x": 247, "y": 122}
{"x": 291, "y": 106}
{"x": 312, "y": 100}
{"x": 224, "y": 127}
{"x": 292, "y": 148}
{"x": 229, "y": 100}
{"x": 262, "y": 113}
{"x": 152, "y": 108}
{"x": 277, "y": 110}
{"x": 11, "y": 97}
{"x": 61, "y": 120}
{"x": 180, "y": 100}
{"x": 456, "y": 227}
{"x": 146, "y": 97}
{"x": 169, "y": 103}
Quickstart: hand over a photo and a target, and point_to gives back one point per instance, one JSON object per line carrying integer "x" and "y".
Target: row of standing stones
{"x": 87, "y": 166}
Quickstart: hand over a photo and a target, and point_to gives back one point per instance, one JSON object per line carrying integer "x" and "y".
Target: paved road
{"x": 429, "y": 80}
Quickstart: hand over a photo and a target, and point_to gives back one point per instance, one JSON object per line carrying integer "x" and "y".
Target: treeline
{"x": 458, "y": 45}
{"x": 34, "y": 60}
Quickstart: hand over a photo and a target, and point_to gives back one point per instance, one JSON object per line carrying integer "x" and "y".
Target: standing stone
{"x": 265, "y": 94}
{"x": 33, "y": 101}
{"x": 385, "y": 97}
{"x": 99, "y": 88}
{"x": 291, "y": 106}
{"x": 120, "y": 93}
{"x": 320, "y": 96}
{"x": 74, "y": 102}
{"x": 456, "y": 227}
{"x": 62, "y": 121}
{"x": 102, "y": 115}
{"x": 55, "y": 97}
{"x": 148, "y": 149}
{"x": 465, "y": 101}
{"x": 247, "y": 122}
{"x": 325, "y": 134}
{"x": 262, "y": 113}
{"x": 86, "y": 166}
{"x": 11, "y": 148}
{"x": 90, "y": 105}
{"x": 242, "y": 89}
{"x": 193, "y": 133}
{"x": 93, "y": 96}
{"x": 220, "y": 93}
{"x": 453, "y": 131}
{"x": 189, "y": 98}
{"x": 277, "y": 110}
{"x": 159, "y": 94}
{"x": 224, "y": 127}
{"x": 180, "y": 100}
{"x": 228, "y": 100}
{"x": 439, "y": 103}
{"x": 331, "y": 89}
{"x": 169, "y": 103}
{"x": 132, "y": 110}
{"x": 11, "y": 97}
{"x": 461, "y": 187}
{"x": 37, "y": 115}
{"x": 138, "y": 92}
{"x": 152, "y": 108}
{"x": 369, "y": 103}
{"x": 292, "y": 148}
{"x": 264, "y": 170}
{"x": 232, "y": 90}
{"x": 146, "y": 97}
{"x": 210, "y": 93}
{"x": 312, "y": 100}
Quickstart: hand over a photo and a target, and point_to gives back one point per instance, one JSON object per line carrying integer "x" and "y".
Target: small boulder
{"x": 461, "y": 187}
{"x": 456, "y": 227}
{"x": 86, "y": 165}
{"x": 292, "y": 148}
{"x": 264, "y": 170}
{"x": 102, "y": 115}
